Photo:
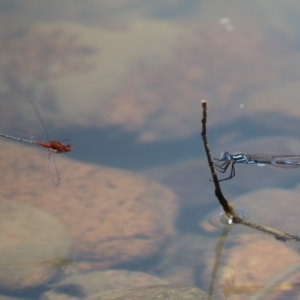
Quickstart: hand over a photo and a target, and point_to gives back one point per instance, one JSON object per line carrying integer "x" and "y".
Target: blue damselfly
{"x": 229, "y": 159}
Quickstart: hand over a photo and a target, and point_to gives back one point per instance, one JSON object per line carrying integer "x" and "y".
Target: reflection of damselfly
{"x": 229, "y": 159}
{"x": 52, "y": 146}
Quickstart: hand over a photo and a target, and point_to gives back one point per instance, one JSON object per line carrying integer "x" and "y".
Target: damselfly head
{"x": 68, "y": 148}
{"x": 225, "y": 155}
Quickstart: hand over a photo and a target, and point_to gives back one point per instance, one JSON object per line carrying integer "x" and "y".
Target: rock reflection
{"x": 56, "y": 263}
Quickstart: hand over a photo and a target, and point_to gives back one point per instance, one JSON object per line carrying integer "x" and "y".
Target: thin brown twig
{"x": 228, "y": 209}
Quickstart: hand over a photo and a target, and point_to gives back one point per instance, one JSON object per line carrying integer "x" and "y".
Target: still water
{"x": 134, "y": 214}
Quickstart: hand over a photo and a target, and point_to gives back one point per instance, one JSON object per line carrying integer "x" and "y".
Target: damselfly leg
{"x": 222, "y": 167}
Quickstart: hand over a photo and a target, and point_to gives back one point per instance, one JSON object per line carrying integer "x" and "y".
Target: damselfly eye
{"x": 225, "y": 156}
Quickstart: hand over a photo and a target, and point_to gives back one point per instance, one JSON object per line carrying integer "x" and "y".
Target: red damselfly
{"x": 52, "y": 146}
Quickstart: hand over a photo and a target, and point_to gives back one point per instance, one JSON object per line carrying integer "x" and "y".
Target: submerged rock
{"x": 34, "y": 246}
